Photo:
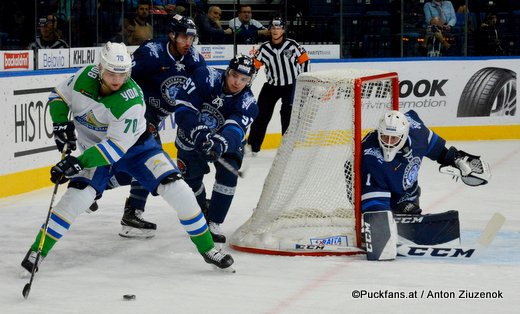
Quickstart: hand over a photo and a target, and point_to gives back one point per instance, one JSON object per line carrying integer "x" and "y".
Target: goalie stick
{"x": 486, "y": 238}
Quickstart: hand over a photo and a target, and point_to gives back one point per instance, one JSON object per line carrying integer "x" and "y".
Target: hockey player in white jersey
{"x": 107, "y": 109}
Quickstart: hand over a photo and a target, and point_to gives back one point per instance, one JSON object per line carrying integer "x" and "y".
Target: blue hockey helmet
{"x": 184, "y": 25}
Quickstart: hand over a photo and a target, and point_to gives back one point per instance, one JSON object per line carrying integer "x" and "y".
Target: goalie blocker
{"x": 429, "y": 229}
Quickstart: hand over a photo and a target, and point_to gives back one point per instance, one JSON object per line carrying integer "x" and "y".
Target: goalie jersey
{"x": 387, "y": 184}
{"x": 202, "y": 100}
{"x": 160, "y": 76}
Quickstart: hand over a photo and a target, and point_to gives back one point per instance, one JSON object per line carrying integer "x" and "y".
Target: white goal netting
{"x": 307, "y": 203}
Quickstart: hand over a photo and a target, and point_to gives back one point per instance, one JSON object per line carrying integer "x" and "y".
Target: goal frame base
{"x": 310, "y": 250}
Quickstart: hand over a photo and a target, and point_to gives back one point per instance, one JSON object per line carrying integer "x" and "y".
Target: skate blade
{"x": 135, "y": 233}
{"x": 24, "y": 274}
{"x": 229, "y": 269}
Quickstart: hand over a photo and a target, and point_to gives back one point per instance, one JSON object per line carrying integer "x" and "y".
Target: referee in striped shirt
{"x": 284, "y": 59}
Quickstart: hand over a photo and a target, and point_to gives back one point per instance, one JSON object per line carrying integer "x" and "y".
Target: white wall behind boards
{"x": 433, "y": 88}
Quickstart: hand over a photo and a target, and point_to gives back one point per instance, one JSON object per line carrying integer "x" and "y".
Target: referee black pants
{"x": 267, "y": 99}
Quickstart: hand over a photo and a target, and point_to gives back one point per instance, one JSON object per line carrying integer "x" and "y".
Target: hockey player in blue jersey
{"x": 160, "y": 68}
{"x": 392, "y": 157}
{"x": 214, "y": 109}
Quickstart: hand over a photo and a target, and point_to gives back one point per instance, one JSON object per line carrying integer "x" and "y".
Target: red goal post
{"x": 310, "y": 203}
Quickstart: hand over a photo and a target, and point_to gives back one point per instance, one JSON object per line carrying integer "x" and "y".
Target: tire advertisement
{"x": 455, "y": 93}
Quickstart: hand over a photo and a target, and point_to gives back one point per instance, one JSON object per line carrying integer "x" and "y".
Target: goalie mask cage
{"x": 310, "y": 203}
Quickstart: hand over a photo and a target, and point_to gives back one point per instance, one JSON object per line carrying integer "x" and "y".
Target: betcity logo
{"x": 18, "y": 60}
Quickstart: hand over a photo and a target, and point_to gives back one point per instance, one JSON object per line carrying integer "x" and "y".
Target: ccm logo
{"x": 440, "y": 252}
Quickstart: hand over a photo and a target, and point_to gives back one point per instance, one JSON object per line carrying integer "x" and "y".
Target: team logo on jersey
{"x": 89, "y": 121}
{"x": 413, "y": 124}
{"x": 170, "y": 88}
{"x": 154, "y": 49}
{"x": 411, "y": 172}
{"x": 179, "y": 66}
{"x": 211, "y": 117}
{"x": 376, "y": 152}
{"x": 288, "y": 53}
{"x": 218, "y": 102}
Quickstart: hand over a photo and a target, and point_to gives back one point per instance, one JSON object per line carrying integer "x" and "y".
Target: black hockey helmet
{"x": 243, "y": 64}
{"x": 184, "y": 25}
{"x": 277, "y": 21}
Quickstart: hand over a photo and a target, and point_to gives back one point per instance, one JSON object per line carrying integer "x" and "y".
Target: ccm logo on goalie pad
{"x": 408, "y": 219}
{"x": 436, "y": 252}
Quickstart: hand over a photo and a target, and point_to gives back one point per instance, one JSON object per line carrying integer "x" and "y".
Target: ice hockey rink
{"x": 92, "y": 267}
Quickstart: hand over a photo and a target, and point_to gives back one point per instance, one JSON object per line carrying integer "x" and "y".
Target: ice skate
{"x": 216, "y": 234}
{"x": 219, "y": 259}
{"x": 134, "y": 226}
{"x": 28, "y": 262}
{"x": 93, "y": 207}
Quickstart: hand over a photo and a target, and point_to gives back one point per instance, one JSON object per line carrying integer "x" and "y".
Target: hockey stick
{"x": 230, "y": 168}
{"x": 486, "y": 238}
{"x": 27, "y": 287}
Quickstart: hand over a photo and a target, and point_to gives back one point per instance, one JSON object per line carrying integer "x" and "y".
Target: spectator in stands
{"x": 50, "y": 35}
{"x": 246, "y": 29}
{"x": 211, "y": 31}
{"x": 137, "y": 29}
{"x": 441, "y": 18}
{"x": 489, "y": 39}
{"x": 284, "y": 60}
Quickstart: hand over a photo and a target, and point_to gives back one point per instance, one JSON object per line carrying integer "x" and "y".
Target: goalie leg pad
{"x": 380, "y": 235}
{"x": 429, "y": 229}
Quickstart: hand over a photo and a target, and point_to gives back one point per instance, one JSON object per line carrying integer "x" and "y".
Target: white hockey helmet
{"x": 392, "y": 133}
{"x": 115, "y": 58}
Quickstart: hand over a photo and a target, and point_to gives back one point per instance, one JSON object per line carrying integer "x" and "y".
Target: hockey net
{"x": 309, "y": 203}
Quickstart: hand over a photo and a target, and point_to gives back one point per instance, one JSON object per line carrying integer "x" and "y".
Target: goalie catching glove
{"x": 470, "y": 168}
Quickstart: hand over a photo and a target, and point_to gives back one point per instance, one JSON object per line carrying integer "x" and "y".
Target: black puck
{"x": 129, "y": 297}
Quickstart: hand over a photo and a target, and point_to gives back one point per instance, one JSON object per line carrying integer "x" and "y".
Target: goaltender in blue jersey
{"x": 392, "y": 157}
{"x": 214, "y": 109}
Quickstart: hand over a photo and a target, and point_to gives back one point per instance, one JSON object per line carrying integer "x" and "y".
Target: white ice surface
{"x": 91, "y": 267}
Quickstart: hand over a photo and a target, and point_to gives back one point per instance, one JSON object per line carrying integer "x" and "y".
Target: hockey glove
{"x": 64, "y": 134}
{"x": 470, "y": 168}
{"x": 214, "y": 147}
{"x": 408, "y": 208}
{"x": 200, "y": 134}
{"x": 66, "y": 168}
